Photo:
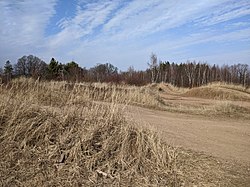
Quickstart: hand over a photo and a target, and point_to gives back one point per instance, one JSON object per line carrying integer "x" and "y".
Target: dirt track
{"x": 225, "y": 138}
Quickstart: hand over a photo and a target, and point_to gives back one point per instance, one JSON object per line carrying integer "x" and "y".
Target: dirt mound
{"x": 166, "y": 88}
{"x": 218, "y": 92}
{"x": 91, "y": 145}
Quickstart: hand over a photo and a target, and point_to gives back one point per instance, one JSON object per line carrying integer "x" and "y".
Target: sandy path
{"x": 225, "y": 138}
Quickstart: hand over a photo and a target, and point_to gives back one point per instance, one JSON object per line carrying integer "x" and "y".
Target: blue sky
{"x": 126, "y": 32}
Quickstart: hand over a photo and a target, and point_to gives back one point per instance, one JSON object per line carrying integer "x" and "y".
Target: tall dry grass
{"x": 230, "y": 86}
{"x": 54, "y": 134}
{"x": 61, "y": 93}
{"x": 220, "y": 91}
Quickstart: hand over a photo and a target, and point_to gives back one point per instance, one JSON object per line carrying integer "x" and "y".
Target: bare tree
{"x": 242, "y": 69}
{"x": 190, "y": 72}
{"x": 153, "y": 65}
{"x": 30, "y": 66}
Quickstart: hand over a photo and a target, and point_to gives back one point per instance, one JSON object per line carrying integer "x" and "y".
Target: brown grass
{"x": 166, "y": 88}
{"x": 217, "y": 109}
{"x": 220, "y": 91}
{"x": 58, "y": 94}
{"x": 230, "y": 86}
{"x": 200, "y": 169}
{"x": 216, "y": 99}
{"x": 61, "y": 93}
{"x": 57, "y": 134}
{"x": 48, "y": 139}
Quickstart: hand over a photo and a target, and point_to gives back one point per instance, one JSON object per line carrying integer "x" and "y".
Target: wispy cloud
{"x": 120, "y": 31}
{"x": 225, "y": 11}
{"x": 140, "y": 18}
{"x": 24, "y": 22}
{"x": 23, "y": 26}
{"x": 88, "y": 18}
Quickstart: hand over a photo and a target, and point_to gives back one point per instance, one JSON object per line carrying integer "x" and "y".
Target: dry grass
{"x": 220, "y": 101}
{"x": 61, "y": 93}
{"x": 230, "y": 86}
{"x": 48, "y": 139}
{"x": 217, "y": 109}
{"x": 220, "y": 91}
{"x": 166, "y": 88}
{"x": 57, "y": 134}
{"x": 201, "y": 169}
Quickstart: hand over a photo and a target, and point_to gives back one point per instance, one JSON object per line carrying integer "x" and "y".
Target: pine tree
{"x": 8, "y": 69}
{"x": 53, "y": 68}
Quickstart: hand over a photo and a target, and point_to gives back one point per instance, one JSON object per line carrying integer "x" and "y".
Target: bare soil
{"x": 216, "y": 148}
{"x": 224, "y": 138}
{"x": 213, "y": 148}
{"x": 220, "y": 136}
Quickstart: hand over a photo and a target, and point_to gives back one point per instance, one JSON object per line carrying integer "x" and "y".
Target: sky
{"x": 126, "y": 32}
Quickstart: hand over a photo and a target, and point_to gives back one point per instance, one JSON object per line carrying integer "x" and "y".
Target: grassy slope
{"x": 220, "y": 91}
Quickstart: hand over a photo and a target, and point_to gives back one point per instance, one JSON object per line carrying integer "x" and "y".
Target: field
{"x": 93, "y": 134}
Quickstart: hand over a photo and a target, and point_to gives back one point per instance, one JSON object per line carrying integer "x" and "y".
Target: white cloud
{"x": 24, "y": 22}
{"x": 141, "y": 18}
{"x": 23, "y": 25}
{"x": 83, "y": 24}
{"x": 120, "y": 39}
{"x": 119, "y": 31}
{"x": 226, "y": 11}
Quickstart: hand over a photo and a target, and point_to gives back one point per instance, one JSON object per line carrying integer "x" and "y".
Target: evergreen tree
{"x": 53, "y": 69}
{"x": 8, "y": 69}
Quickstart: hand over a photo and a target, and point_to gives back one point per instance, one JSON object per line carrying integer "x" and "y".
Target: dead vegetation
{"x": 220, "y": 91}
{"x": 61, "y": 93}
{"x": 218, "y": 109}
{"x": 61, "y": 143}
{"x": 58, "y": 134}
{"x": 201, "y": 169}
{"x": 221, "y": 98}
{"x": 217, "y": 99}
{"x": 230, "y": 86}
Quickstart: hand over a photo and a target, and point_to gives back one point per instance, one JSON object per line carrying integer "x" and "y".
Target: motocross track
{"x": 216, "y": 147}
{"x": 227, "y": 138}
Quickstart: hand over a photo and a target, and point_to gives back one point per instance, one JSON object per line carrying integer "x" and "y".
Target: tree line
{"x": 189, "y": 74}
